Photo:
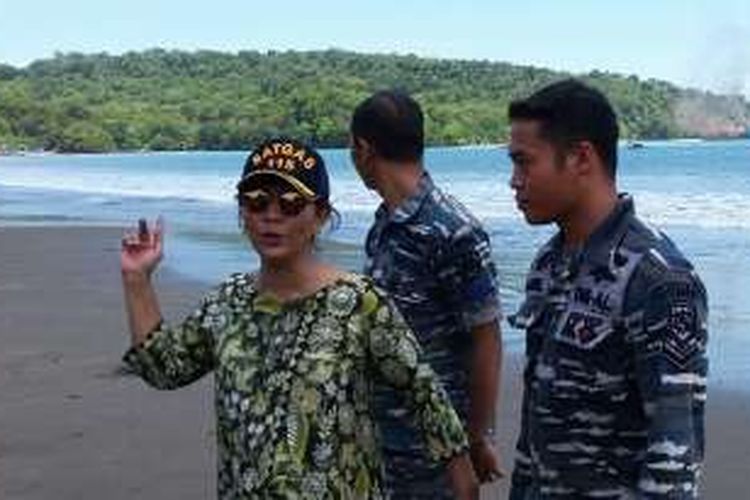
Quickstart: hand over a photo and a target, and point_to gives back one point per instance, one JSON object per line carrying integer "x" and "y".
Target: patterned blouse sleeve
{"x": 175, "y": 356}
{"x": 394, "y": 353}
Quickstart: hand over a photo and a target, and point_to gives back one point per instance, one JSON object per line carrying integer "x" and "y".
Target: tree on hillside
{"x": 159, "y": 99}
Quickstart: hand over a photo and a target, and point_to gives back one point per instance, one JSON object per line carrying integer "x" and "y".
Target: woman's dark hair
{"x": 569, "y": 111}
{"x": 392, "y": 123}
{"x": 332, "y": 218}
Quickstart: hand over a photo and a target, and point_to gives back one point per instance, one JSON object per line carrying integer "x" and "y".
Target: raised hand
{"x": 142, "y": 249}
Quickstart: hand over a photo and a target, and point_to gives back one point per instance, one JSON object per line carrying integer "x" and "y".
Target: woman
{"x": 294, "y": 347}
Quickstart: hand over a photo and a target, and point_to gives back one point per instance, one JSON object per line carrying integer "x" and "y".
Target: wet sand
{"x": 72, "y": 426}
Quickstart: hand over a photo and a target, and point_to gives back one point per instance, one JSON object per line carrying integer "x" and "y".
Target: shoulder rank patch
{"x": 678, "y": 332}
{"x": 683, "y": 337}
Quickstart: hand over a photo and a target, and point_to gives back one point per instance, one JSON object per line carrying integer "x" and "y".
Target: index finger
{"x": 142, "y": 229}
{"x": 158, "y": 229}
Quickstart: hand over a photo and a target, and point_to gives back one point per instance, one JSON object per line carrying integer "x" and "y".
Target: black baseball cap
{"x": 290, "y": 160}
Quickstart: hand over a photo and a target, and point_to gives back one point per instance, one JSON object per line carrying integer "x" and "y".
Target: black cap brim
{"x": 295, "y": 183}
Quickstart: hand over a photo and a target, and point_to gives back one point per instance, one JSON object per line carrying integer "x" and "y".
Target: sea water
{"x": 697, "y": 192}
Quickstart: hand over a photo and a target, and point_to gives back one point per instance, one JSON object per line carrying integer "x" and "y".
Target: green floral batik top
{"x": 294, "y": 386}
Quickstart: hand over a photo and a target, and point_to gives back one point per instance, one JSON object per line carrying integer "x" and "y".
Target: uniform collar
{"x": 608, "y": 236}
{"x": 411, "y": 205}
{"x": 600, "y": 245}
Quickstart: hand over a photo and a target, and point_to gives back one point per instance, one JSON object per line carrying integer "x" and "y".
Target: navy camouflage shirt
{"x": 615, "y": 381}
{"x": 434, "y": 260}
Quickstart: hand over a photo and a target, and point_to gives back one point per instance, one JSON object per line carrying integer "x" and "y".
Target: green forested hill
{"x": 211, "y": 100}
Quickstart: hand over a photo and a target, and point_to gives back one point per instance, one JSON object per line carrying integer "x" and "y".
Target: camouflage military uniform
{"x": 615, "y": 381}
{"x": 434, "y": 260}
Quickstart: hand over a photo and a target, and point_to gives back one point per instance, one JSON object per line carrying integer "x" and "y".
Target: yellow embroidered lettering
{"x": 299, "y": 155}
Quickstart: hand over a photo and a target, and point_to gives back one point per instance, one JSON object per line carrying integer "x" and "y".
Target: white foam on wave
{"x": 208, "y": 188}
{"x": 488, "y": 199}
{"x": 495, "y": 201}
{"x": 704, "y": 210}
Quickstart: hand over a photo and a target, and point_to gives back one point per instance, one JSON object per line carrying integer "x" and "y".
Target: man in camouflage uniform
{"x": 434, "y": 260}
{"x": 615, "y": 319}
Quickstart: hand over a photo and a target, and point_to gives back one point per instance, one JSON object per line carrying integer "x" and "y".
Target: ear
{"x": 583, "y": 157}
{"x": 362, "y": 146}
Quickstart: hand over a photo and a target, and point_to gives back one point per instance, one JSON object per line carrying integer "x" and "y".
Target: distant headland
{"x": 206, "y": 100}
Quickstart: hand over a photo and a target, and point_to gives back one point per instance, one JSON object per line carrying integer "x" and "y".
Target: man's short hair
{"x": 570, "y": 111}
{"x": 392, "y": 123}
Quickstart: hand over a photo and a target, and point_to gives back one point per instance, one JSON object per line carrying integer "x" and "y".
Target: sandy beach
{"x": 72, "y": 426}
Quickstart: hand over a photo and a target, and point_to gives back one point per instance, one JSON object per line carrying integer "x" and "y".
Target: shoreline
{"x": 74, "y": 426}
{"x": 624, "y": 143}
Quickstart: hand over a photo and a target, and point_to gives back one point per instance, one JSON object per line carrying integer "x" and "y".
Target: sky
{"x": 698, "y": 43}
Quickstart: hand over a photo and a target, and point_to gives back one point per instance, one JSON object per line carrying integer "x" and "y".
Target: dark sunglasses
{"x": 257, "y": 201}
